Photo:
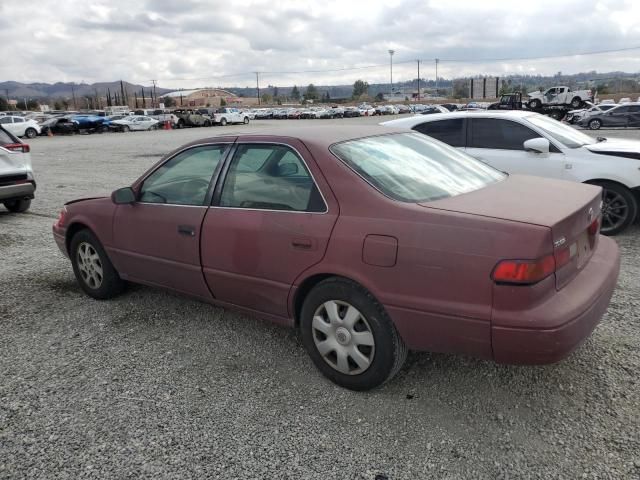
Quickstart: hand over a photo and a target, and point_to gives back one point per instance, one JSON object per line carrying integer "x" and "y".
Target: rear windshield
{"x": 5, "y": 137}
{"x": 410, "y": 167}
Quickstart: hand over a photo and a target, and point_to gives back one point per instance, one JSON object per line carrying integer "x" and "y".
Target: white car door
{"x": 499, "y": 143}
{"x": 14, "y": 125}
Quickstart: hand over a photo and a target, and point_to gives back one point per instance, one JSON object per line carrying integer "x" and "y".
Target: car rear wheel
{"x": 92, "y": 267}
{"x": 18, "y": 206}
{"x": 619, "y": 208}
{"x": 246, "y": 120}
{"x": 576, "y": 102}
{"x": 349, "y": 336}
{"x": 223, "y": 122}
{"x": 595, "y": 124}
{"x": 31, "y": 133}
{"x": 125, "y": 128}
{"x": 535, "y": 103}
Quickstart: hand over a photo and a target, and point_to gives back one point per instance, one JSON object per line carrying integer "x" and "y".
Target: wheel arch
{"x": 72, "y": 229}
{"x": 635, "y": 192}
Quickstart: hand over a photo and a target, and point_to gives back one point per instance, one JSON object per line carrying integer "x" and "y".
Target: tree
{"x": 360, "y": 88}
{"x": 275, "y": 92}
{"x": 380, "y": 97}
{"x": 168, "y": 102}
{"x": 295, "y": 93}
{"x": 4, "y": 105}
{"x": 311, "y": 93}
{"x": 223, "y": 102}
{"x": 602, "y": 89}
{"x": 33, "y": 105}
{"x": 266, "y": 98}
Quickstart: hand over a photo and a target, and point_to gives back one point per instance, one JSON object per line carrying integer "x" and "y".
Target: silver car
{"x": 17, "y": 185}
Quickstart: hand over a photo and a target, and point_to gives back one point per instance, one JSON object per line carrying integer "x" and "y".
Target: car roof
{"x": 416, "y": 119}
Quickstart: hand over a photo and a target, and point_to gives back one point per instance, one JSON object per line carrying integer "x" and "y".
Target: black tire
{"x": 207, "y": 123}
{"x": 246, "y": 120}
{"x": 111, "y": 284}
{"x": 556, "y": 115}
{"x": 31, "y": 133}
{"x": 18, "y": 206}
{"x": 223, "y": 122}
{"x": 389, "y": 351}
{"x": 180, "y": 123}
{"x": 595, "y": 124}
{"x": 619, "y": 206}
{"x": 535, "y": 103}
{"x": 576, "y": 102}
{"x": 126, "y": 129}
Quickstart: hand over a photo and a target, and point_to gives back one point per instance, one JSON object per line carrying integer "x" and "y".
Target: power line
{"x": 597, "y": 52}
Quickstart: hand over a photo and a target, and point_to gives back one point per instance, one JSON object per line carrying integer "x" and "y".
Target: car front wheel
{"x": 18, "y": 206}
{"x": 595, "y": 124}
{"x": 92, "y": 267}
{"x": 246, "y": 120}
{"x": 349, "y": 336}
{"x": 619, "y": 208}
{"x": 576, "y": 103}
{"x": 535, "y": 103}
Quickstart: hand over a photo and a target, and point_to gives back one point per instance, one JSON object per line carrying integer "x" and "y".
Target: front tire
{"x": 223, "y": 122}
{"x": 246, "y": 120}
{"x": 576, "y": 102}
{"x": 18, "y": 206}
{"x": 535, "y": 103}
{"x": 595, "y": 124}
{"x": 92, "y": 267}
{"x": 619, "y": 208}
{"x": 349, "y": 335}
{"x": 31, "y": 133}
{"x": 126, "y": 128}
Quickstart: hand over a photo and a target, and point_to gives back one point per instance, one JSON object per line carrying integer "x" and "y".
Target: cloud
{"x": 201, "y": 42}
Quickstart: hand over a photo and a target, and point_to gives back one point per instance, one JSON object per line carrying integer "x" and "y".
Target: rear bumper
{"x": 19, "y": 190}
{"x": 569, "y": 316}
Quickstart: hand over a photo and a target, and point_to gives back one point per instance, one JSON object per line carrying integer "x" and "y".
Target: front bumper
{"x": 569, "y": 316}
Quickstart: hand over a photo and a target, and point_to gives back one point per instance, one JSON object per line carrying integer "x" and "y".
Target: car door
{"x": 15, "y": 125}
{"x": 616, "y": 117}
{"x": 451, "y": 131}
{"x": 499, "y": 142}
{"x": 271, "y": 220}
{"x": 633, "y": 119}
{"x": 157, "y": 238}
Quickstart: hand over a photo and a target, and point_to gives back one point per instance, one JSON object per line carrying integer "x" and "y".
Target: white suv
{"x": 20, "y": 126}
{"x": 17, "y": 185}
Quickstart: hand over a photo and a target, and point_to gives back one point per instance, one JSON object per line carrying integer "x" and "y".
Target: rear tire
{"x": 246, "y": 120}
{"x": 18, "y": 206}
{"x": 535, "y": 103}
{"x": 619, "y": 209}
{"x": 31, "y": 133}
{"x": 364, "y": 349}
{"x": 223, "y": 122}
{"x": 595, "y": 124}
{"x": 576, "y": 102}
{"x": 126, "y": 129}
{"x": 92, "y": 267}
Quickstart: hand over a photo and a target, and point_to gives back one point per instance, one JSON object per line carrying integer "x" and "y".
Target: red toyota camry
{"x": 371, "y": 241}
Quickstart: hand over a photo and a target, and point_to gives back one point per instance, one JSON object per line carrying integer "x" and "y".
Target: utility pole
{"x": 73, "y": 94}
{"x": 418, "y": 79}
{"x": 258, "y": 86}
{"x": 154, "y": 98}
{"x": 391, "y": 52}
{"x": 437, "y": 60}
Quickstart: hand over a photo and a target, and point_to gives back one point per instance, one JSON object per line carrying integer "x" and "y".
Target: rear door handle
{"x": 187, "y": 230}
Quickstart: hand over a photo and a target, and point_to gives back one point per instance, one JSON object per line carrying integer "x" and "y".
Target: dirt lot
{"x": 155, "y": 385}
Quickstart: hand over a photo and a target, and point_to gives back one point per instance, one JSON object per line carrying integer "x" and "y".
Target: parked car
{"x": 229, "y": 115}
{"x": 366, "y": 110}
{"x": 559, "y": 96}
{"x": 191, "y": 118}
{"x": 91, "y": 123}
{"x": 574, "y": 116}
{"x": 163, "y": 116}
{"x": 59, "y": 125}
{"x": 351, "y": 112}
{"x": 264, "y": 114}
{"x": 626, "y": 115}
{"x": 405, "y": 243}
{"x": 529, "y": 143}
{"x": 17, "y": 184}
{"x": 20, "y": 127}
{"x": 433, "y": 109}
{"x": 135, "y": 122}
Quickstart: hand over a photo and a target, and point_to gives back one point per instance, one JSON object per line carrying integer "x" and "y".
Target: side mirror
{"x": 537, "y": 145}
{"x": 287, "y": 169}
{"x": 123, "y": 196}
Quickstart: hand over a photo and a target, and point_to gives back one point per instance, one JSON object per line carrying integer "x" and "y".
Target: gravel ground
{"x": 155, "y": 385}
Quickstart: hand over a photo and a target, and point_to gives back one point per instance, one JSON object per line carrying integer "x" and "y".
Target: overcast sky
{"x": 186, "y": 43}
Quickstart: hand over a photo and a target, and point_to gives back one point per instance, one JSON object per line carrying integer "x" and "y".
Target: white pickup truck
{"x": 226, "y": 115}
{"x": 559, "y": 96}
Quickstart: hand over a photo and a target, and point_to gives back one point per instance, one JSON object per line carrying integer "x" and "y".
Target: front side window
{"x": 569, "y": 137}
{"x": 449, "y": 131}
{"x": 410, "y": 167}
{"x": 270, "y": 177}
{"x": 499, "y": 134}
{"x": 185, "y": 179}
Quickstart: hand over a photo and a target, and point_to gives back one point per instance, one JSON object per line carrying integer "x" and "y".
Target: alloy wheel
{"x": 615, "y": 210}
{"x": 90, "y": 265}
{"x": 343, "y": 337}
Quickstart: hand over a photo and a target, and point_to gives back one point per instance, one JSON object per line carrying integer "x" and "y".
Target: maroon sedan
{"x": 372, "y": 241}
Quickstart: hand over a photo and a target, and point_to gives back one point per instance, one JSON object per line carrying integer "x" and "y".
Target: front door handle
{"x": 303, "y": 244}
{"x": 187, "y": 230}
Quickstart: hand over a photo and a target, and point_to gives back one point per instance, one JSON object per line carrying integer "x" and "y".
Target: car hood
{"x": 612, "y": 146}
{"x": 77, "y": 200}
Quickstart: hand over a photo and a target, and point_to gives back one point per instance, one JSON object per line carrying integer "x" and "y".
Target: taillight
{"x": 17, "y": 147}
{"x": 594, "y": 228}
{"x": 61, "y": 217}
{"x": 524, "y": 272}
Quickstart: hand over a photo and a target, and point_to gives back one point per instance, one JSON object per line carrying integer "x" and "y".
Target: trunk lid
{"x": 568, "y": 209}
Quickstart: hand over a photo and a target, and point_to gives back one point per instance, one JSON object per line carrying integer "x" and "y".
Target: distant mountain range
{"x": 19, "y": 90}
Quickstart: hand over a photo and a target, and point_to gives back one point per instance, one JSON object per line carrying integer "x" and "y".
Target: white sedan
{"x": 20, "y": 126}
{"x": 135, "y": 122}
{"x": 532, "y": 144}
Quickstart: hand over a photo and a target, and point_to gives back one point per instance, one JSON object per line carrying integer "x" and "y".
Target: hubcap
{"x": 614, "y": 210}
{"x": 89, "y": 265}
{"x": 343, "y": 337}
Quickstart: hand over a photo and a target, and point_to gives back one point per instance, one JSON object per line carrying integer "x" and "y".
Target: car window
{"x": 183, "y": 180}
{"x": 449, "y": 131}
{"x": 634, "y": 108}
{"x": 270, "y": 177}
{"x": 623, "y": 109}
{"x": 5, "y": 138}
{"x": 18, "y": 120}
{"x": 410, "y": 167}
{"x": 499, "y": 134}
{"x": 5, "y": 119}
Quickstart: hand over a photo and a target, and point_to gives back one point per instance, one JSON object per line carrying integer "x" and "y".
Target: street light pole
{"x": 437, "y": 60}
{"x": 391, "y": 52}
{"x": 418, "y": 79}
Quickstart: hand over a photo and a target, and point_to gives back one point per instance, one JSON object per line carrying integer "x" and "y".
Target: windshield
{"x": 569, "y": 137}
{"x": 410, "y": 167}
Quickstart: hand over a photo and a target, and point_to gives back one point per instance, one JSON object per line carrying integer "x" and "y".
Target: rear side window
{"x": 620, "y": 110}
{"x": 270, "y": 177}
{"x": 18, "y": 120}
{"x": 634, "y": 109}
{"x": 499, "y": 134}
{"x": 449, "y": 131}
{"x": 5, "y": 138}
